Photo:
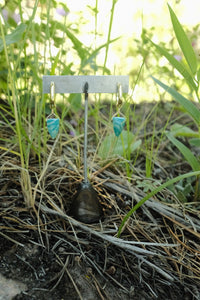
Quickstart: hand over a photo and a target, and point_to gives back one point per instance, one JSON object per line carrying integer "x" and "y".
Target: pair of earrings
{"x": 118, "y": 119}
{"x": 53, "y": 122}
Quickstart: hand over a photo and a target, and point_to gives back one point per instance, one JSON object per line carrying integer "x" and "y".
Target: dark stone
{"x": 85, "y": 206}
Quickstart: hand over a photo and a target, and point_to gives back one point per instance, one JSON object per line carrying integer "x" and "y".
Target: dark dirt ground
{"x": 49, "y": 256}
{"x": 46, "y": 277}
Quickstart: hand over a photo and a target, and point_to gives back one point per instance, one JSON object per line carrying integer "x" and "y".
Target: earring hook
{"x": 52, "y": 96}
{"x": 119, "y": 95}
{"x": 119, "y": 101}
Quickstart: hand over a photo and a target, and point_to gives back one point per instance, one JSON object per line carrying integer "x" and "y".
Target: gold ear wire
{"x": 119, "y": 101}
{"x": 119, "y": 95}
{"x": 52, "y": 96}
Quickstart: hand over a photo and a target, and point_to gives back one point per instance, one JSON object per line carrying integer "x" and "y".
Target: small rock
{"x": 10, "y": 288}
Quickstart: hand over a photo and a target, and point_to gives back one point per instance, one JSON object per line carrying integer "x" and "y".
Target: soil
{"x": 57, "y": 275}
{"x": 45, "y": 254}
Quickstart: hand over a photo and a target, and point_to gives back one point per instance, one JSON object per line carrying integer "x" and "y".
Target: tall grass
{"x": 190, "y": 72}
{"x": 24, "y": 92}
{"x": 25, "y": 178}
{"x": 27, "y": 50}
{"x": 32, "y": 58}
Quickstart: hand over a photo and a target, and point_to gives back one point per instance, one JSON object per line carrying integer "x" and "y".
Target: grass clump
{"x": 147, "y": 179}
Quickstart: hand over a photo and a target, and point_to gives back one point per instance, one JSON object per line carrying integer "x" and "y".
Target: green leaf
{"x": 75, "y": 102}
{"x": 181, "y": 130}
{"x": 54, "y": 65}
{"x": 195, "y": 142}
{"x": 78, "y": 46}
{"x": 113, "y": 146}
{"x": 13, "y": 37}
{"x": 189, "y": 156}
{"x": 184, "y": 42}
{"x": 176, "y": 64}
{"x": 191, "y": 109}
{"x": 96, "y": 52}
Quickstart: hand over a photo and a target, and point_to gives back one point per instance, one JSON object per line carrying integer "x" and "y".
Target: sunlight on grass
{"x": 130, "y": 21}
{"x": 138, "y": 150}
{"x": 101, "y": 38}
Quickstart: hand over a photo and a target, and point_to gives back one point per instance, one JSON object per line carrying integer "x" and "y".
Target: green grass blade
{"x": 177, "y": 65}
{"x": 189, "y": 156}
{"x": 55, "y": 64}
{"x": 191, "y": 109}
{"x": 93, "y": 54}
{"x": 109, "y": 34}
{"x": 184, "y": 42}
{"x": 152, "y": 193}
{"x": 78, "y": 46}
{"x": 9, "y": 150}
{"x": 182, "y": 130}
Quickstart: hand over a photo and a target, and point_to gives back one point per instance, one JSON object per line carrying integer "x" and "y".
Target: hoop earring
{"x": 52, "y": 120}
{"x": 118, "y": 118}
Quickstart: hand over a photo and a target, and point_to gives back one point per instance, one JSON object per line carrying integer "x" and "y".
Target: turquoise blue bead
{"x": 118, "y": 125}
{"x": 53, "y": 127}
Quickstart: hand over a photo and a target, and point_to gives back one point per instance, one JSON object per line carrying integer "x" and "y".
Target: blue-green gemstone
{"x": 53, "y": 127}
{"x": 118, "y": 125}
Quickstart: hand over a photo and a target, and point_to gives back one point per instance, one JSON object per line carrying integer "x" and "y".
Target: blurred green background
{"x": 99, "y": 37}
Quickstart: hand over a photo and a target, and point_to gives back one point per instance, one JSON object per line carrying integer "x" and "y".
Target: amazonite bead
{"x": 118, "y": 125}
{"x": 53, "y": 127}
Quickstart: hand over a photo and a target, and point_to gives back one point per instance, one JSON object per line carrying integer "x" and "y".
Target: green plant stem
{"x": 152, "y": 193}
{"x": 150, "y": 145}
{"x": 25, "y": 178}
{"x": 96, "y": 30}
{"x": 109, "y": 34}
{"x": 21, "y": 45}
{"x": 197, "y": 189}
{"x": 10, "y": 78}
